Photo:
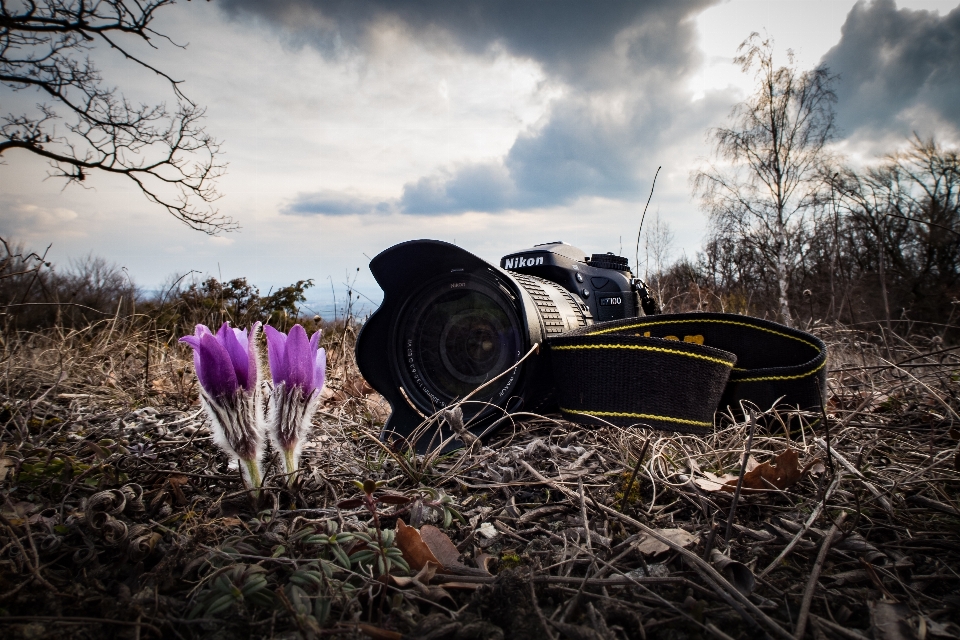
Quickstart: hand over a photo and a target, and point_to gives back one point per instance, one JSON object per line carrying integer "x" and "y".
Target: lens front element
{"x": 458, "y": 334}
{"x": 471, "y": 342}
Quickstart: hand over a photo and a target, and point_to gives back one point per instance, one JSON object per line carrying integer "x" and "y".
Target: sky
{"x": 350, "y": 126}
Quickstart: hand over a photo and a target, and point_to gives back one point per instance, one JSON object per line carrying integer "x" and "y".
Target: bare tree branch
{"x": 45, "y": 46}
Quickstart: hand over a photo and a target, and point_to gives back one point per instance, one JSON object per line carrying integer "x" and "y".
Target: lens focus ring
{"x": 559, "y": 310}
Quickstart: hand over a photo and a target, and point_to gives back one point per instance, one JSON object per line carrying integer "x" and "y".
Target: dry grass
{"x": 119, "y": 518}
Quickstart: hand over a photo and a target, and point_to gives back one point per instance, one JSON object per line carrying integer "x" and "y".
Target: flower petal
{"x": 241, "y": 337}
{"x": 320, "y": 369}
{"x": 238, "y": 355}
{"x": 276, "y": 345}
{"x": 217, "y": 375}
{"x": 315, "y": 340}
{"x": 252, "y": 359}
{"x": 298, "y": 360}
{"x": 194, "y": 342}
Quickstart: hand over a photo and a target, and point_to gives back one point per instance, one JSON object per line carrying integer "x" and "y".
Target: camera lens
{"x": 457, "y": 334}
{"x": 470, "y": 345}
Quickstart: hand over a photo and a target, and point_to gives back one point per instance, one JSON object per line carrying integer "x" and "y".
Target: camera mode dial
{"x": 609, "y": 261}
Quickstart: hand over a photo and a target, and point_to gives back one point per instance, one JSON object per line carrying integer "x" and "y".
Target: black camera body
{"x": 452, "y": 326}
{"x": 602, "y": 282}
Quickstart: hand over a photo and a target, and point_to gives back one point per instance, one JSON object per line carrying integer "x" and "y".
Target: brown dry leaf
{"x": 326, "y": 394}
{"x": 441, "y": 546}
{"x": 377, "y": 633}
{"x": 424, "y": 576}
{"x": 713, "y": 482}
{"x": 784, "y": 475}
{"x": 7, "y": 465}
{"x": 163, "y": 385}
{"x": 357, "y": 387}
{"x": 177, "y": 481}
{"x": 484, "y": 560}
{"x": 421, "y": 582}
{"x": 427, "y": 545}
{"x": 415, "y": 551}
{"x": 889, "y": 620}
{"x": 378, "y": 407}
{"x": 648, "y": 545}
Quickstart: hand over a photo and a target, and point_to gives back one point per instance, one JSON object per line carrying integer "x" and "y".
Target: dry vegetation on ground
{"x": 120, "y": 519}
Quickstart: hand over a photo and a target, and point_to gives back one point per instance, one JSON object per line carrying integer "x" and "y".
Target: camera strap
{"x": 673, "y": 372}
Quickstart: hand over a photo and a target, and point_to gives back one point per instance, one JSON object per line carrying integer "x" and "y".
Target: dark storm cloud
{"x": 560, "y": 34}
{"x": 633, "y": 53}
{"x": 892, "y": 60}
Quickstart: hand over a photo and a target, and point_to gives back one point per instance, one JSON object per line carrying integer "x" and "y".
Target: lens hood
{"x": 449, "y": 322}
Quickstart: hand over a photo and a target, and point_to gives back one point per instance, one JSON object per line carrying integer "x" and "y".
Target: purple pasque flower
{"x": 226, "y": 364}
{"x": 298, "y": 368}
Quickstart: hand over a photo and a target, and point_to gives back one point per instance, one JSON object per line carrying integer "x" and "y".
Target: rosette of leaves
{"x": 333, "y": 544}
{"x": 311, "y": 611}
{"x": 379, "y": 550}
{"x": 234, "y": 585}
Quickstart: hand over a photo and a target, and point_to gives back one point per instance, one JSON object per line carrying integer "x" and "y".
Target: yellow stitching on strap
{"x": 637, "y": 347}
{"x": 739, "y": 324}
{"x": 644, "y": 416}
{"x": 796, "y": 377}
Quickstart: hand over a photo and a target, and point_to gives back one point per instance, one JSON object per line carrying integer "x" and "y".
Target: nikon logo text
{"x": 517, "y": 263}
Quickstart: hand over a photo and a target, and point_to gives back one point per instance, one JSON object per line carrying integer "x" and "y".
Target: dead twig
{"x": 814, "y": 575}
{"x": 743, "y": 471}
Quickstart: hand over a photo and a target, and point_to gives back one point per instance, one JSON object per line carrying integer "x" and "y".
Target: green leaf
{"x": 401, "y": 563}
{"x": 220, "y": 604}
{"x": 321, "y": 610}
{"x": 307, "y": 578}
{"x": 254, "y": 585}
{"x": 327, "y": 567}
{"x": 196, "y": 610}
{"x": 262, "y": 599}
{"x": 341, "y": 557}
{"x": 362, "y": 557}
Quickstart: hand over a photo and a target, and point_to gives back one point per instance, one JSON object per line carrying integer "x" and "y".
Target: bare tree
{"x": 901, "y": 225}
{"x": 45, "y": 47}
{"x": 657, "y": 245}
{"x": 767, "y": 185}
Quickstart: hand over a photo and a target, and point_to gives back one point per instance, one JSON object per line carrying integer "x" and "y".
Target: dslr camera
{"x": 452, "y": 326}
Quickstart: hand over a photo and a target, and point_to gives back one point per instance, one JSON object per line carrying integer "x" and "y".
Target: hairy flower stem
{"x": 290, "y": 465}
{"x": 253, "y": 476}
